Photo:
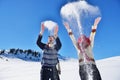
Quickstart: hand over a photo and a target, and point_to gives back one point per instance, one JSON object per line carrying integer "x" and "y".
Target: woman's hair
{"x": 82, "y": 39}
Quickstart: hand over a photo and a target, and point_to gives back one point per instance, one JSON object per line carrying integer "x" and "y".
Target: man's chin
{"x": 50, "y": 42}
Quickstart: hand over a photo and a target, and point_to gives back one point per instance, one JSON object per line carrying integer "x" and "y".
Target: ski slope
{"x": 16, "y": 69}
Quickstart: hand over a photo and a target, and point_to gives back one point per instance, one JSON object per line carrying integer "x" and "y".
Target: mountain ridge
{"x": 27, "y": 55}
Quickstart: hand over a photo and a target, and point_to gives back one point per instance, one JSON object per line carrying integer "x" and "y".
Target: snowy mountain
{"x": 17, "y": 69}
{"x": 27, "y": 55}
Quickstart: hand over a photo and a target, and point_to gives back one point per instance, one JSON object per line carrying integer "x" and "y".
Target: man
{"x": 87, "y": 67}
{"x": 50, "y": 55}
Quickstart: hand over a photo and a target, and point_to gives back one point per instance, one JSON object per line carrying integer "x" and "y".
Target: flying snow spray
{"x": 50, "y": 25}
{"x": 80, "y": 16}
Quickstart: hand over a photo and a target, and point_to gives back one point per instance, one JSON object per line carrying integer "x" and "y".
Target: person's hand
{"x": 66, "y": 25}
{"x": 56, "y": 30}
{"x": 97, "y": 20}
{"x": 42, "y": 28}
{"x": 59, "y": 72}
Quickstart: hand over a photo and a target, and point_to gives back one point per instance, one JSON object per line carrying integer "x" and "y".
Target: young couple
{"x": 84, "y": 45}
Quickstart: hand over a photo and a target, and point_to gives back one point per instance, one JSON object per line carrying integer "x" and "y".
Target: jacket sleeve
{"x": 39, "y": 43}
{"x": 73, "y": 39}
{"x": 92, "y": 35}
{"x": 58, "y": 43}
{"x": 74, "y": 43}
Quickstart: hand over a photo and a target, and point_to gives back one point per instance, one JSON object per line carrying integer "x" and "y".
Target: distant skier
{"x": 50, "y": 55}
{"x": 87, "y": 66}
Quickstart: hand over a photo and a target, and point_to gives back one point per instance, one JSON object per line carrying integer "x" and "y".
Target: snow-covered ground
{"x": 16, "y": 69}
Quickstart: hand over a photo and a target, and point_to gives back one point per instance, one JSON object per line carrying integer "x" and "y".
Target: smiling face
{"x": 51, "y": 39}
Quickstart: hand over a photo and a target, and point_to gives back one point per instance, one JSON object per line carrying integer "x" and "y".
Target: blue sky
{"x": 20, "y": 25}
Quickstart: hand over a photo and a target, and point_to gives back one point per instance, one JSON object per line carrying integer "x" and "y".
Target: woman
{"x": 87, "y": 66}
